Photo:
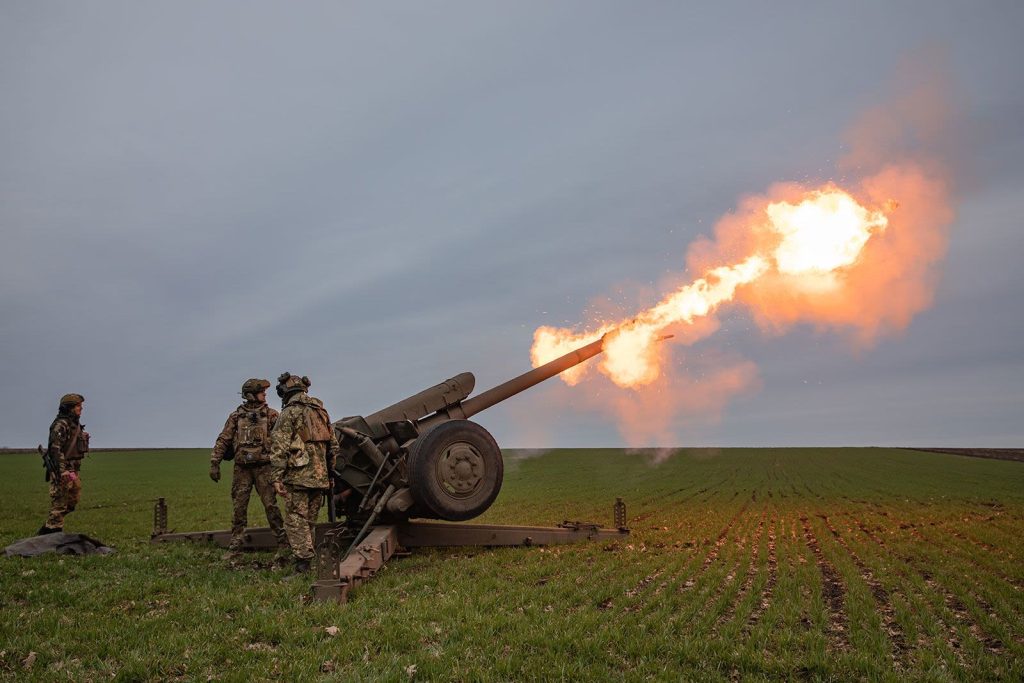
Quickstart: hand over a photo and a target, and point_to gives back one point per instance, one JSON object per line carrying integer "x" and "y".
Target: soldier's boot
{"x": 299, "y": 569}
{"x": 282, "y": 556}
{"x": 234, "y": 553}
{"x": 43, "y": 530}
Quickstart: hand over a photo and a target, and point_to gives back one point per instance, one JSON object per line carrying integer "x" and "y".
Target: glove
{"x": 215, "y": 471}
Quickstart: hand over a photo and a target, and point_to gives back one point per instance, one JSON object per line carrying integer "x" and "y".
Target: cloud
{"x": 382, "y": 197}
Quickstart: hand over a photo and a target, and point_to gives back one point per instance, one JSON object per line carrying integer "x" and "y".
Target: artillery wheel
{"x": 456, "y": 470}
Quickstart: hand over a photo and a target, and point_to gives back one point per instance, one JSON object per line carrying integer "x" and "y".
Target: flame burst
{"x": 809, "y": 242}
{"x": 841, "y": 259}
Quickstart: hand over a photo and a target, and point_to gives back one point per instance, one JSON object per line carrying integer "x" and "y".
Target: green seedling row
{"x": 743, "y": 564}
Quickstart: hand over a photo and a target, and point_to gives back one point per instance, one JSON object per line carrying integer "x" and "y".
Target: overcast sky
{"x": 381, "y": 195}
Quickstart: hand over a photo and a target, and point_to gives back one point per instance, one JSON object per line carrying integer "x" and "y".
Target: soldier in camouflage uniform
{"x": 68, "y": 444}
{"x": 303, "y": 448}
{"x": 246, "y": 438}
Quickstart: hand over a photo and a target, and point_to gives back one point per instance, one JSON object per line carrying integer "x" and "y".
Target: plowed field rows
{"x": 742, "y": 564}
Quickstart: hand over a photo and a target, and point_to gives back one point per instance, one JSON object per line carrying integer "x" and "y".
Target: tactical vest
{"x": 252, "y": 436}
{"x": 78, "y": 449}
{"x": 82, "y": 444}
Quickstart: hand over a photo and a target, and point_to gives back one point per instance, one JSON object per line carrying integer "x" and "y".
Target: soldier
{"x": 303, "y": 448}
{"x": 246, "y": 438}
{"x": 68, "y": 444}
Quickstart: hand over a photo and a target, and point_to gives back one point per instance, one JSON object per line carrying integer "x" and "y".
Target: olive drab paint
{"x": 422, "y": 456}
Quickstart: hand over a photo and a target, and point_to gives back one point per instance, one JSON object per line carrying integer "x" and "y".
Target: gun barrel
{"x": 483, "y": 401}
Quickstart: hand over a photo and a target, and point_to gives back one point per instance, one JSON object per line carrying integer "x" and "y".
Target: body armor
{"x": 75, "y": 444}
{"x": 252, "y": 436}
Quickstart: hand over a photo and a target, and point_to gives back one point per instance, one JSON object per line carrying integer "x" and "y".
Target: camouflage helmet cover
{"x": 68, "y": 400}
{"x": 255, "y": 386}
{"x": 288, "y": 383}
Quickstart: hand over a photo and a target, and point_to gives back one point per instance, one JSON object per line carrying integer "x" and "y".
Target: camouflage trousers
{"x": 244, "y": 479}
{"x": 65, "y": 492}
{"x": 301, "y": 508}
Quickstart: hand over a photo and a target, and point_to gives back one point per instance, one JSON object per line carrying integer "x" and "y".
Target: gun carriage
{"x": 421, "y": 458}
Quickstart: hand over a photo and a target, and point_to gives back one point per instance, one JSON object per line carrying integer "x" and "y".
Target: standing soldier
{"x": 68, "y": 444}
{"x": 303, "y": 448}
{"x": 246, "y": 438}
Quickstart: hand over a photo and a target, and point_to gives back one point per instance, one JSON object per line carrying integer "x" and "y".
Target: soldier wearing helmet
{"x": 246, "y": 439}
{"x": 303, "y": 448}
{"x": 68, "y": 444}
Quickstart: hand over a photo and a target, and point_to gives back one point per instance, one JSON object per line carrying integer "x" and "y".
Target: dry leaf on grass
{"x": 332, "y": 630}
{"x": 262, "y": 647}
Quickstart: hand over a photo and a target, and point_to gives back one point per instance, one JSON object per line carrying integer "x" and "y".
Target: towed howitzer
{"x": 423, "y": 457}
{"x": 419, "y": 458}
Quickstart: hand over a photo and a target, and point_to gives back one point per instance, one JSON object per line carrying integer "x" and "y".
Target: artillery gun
{"x": 420, "y": 458}
{"x": 423, "y": 457}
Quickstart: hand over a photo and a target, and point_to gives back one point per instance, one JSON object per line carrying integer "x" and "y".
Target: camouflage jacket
{"x": 303, "y": 446}
{"x": 244, "y": 433}
{"x": 67, "y": 455}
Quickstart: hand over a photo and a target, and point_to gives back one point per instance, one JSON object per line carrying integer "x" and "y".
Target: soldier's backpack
{"x": 252, "y": 437}
{"x": 317, "y": 425}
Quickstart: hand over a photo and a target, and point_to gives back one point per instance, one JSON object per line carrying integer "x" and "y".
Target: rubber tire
{"x": 428, "y": 455}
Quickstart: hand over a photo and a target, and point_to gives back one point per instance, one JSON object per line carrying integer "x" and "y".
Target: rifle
{"x": 52, "y": 468}
{"x": 48, "y": 463}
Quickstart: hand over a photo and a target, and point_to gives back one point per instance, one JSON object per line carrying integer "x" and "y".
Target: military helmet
{"x": 71, "y": 400}
{"x": 288, "y": 383}
{"x": 255, "y": 386}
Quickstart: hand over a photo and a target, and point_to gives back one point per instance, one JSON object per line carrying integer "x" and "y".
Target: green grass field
{"x": 824, "y": 564}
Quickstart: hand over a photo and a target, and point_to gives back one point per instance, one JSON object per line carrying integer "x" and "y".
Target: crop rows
{"x": 741, "y": 564}
{"x": 878, "y": 582}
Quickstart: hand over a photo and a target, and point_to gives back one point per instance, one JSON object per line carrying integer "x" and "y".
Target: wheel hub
{"x": 460, "y": 469}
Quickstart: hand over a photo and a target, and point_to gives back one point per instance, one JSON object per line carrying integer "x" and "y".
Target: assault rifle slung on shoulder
{"x": 52, "y": 471}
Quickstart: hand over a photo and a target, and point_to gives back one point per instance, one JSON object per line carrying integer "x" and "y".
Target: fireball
{"x": 822, "y": 233}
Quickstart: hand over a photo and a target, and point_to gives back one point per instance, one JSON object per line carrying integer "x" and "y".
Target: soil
{"x": 992, "y": 453}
